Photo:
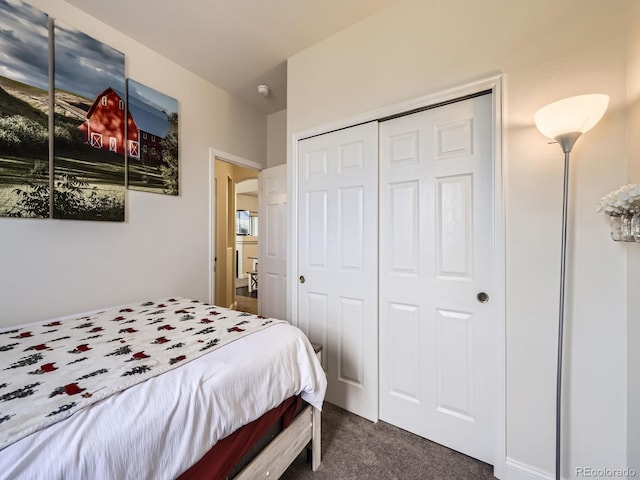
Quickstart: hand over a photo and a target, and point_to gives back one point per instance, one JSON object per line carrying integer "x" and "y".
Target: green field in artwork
{"x": 84, "y": 189}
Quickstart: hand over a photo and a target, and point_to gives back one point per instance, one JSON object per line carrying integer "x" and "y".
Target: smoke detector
{"x": 264, "y": 90}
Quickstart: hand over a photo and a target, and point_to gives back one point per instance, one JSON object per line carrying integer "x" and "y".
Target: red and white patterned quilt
{"x": 50, "y": 370}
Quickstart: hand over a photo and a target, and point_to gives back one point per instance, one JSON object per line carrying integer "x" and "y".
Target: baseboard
{"x": 520, "y": 471}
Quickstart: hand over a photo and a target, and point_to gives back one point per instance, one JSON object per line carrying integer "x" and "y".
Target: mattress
{"x": 159, "y": 428}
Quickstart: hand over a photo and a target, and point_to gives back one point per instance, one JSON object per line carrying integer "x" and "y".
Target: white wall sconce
{"x": 565, "y": 121}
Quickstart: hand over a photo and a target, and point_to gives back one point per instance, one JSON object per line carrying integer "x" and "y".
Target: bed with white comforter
{"x": 163, "y": 425}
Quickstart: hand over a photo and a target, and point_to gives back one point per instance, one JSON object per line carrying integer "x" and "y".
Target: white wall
{"x": 55, "y": 267}
{"x": 277, "y": 138}
{"x": 633, "y": 251}
{"x": 547, "y": 50}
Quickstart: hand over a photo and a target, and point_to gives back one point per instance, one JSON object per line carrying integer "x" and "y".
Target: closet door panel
{"x": 404, "y": 343}
{"x": 338, "y": 261}
{"x": 454, "y": 239}
{"x": 404, "y": 227}
{"x": 436, "y": 244}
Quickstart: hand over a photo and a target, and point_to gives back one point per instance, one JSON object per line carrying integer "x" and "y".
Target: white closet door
{"x": 338, "y": 268}
{"x": 272, "y": 256}
{"x": 436, "y": 255}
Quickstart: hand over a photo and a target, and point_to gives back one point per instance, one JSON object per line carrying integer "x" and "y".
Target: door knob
{"x": 302, "y": 279}
{"x": 483, "y": 297}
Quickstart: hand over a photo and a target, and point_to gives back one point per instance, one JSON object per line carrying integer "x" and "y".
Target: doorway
{"x": 235, "y": 213}
{"x": 246, "y": 253}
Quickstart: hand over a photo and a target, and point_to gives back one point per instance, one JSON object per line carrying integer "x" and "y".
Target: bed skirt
{"x": 219, "y": 462}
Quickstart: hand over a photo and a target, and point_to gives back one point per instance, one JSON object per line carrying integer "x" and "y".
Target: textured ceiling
{"x": 235, "y": 44}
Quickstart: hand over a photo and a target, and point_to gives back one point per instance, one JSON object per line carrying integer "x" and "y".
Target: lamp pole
{"x": 566, "y": 141}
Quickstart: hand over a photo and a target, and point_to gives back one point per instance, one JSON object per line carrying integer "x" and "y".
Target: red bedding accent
{"x": 219, "y": 461}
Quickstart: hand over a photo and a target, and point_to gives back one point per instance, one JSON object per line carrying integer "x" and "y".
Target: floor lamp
{"x": 565, "y": 121}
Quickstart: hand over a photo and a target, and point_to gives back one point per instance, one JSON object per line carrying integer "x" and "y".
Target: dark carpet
{"x": 355, "y": 448}
{"x": 244, "y": 292}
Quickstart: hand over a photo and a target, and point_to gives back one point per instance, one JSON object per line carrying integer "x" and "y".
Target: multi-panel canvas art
{"x": 76, "y": 170}
{"x": 152, "y": 136}
{"x": 89, "y": 123}
{"x": 24, "y": 110}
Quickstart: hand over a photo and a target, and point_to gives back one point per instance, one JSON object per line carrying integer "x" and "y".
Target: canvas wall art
{"x": 89, "y": 146}
{"x": 152, "y": 137}
{"x": 24, "y": 110}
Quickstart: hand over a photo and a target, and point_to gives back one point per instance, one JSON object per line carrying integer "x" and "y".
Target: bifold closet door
{"x": 437, "y": 340}
{"x": 338, "y": 261}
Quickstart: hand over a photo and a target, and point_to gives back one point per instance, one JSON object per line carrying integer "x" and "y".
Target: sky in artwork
{"x": 84, "y": 65}
{"x": 24, "y": 43}
{"x": 152, "y": 97}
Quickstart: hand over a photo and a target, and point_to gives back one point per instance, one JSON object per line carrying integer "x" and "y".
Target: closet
{"x": 395, "y": 264}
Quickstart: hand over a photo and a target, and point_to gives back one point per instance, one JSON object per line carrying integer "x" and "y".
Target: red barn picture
{"x": 152, "y": 140}
{"x": 89, "y": 141}
{"x": 104, "y": 127}
{"x": 147, "y": 127}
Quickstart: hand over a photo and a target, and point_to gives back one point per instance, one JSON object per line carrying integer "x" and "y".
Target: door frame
{"x": 493, "y": 84}
{"x": 215, "y": 153}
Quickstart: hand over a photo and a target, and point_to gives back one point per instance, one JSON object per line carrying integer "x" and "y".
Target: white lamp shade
{"x": 571, "y": 115}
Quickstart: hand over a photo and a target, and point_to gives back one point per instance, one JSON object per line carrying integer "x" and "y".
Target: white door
{"x": 438, "y": 341}
{"x": 272, "y": 256}
{"x": 338, "y": 261}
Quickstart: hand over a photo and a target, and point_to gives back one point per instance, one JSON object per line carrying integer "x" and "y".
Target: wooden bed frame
{"x": 284, "y": 449}
{"x": 276, "y": 457}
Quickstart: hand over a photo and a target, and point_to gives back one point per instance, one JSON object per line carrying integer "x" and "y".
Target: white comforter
{"x": 159, "y": 428}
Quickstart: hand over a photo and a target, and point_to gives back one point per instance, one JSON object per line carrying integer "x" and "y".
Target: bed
{"x": 202, "y": 375}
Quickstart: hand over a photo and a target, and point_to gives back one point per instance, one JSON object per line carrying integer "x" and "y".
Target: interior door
{"x": 338, "y": 268}
{"x": 436, "y": 257}
{"x": 272, "y": 257}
